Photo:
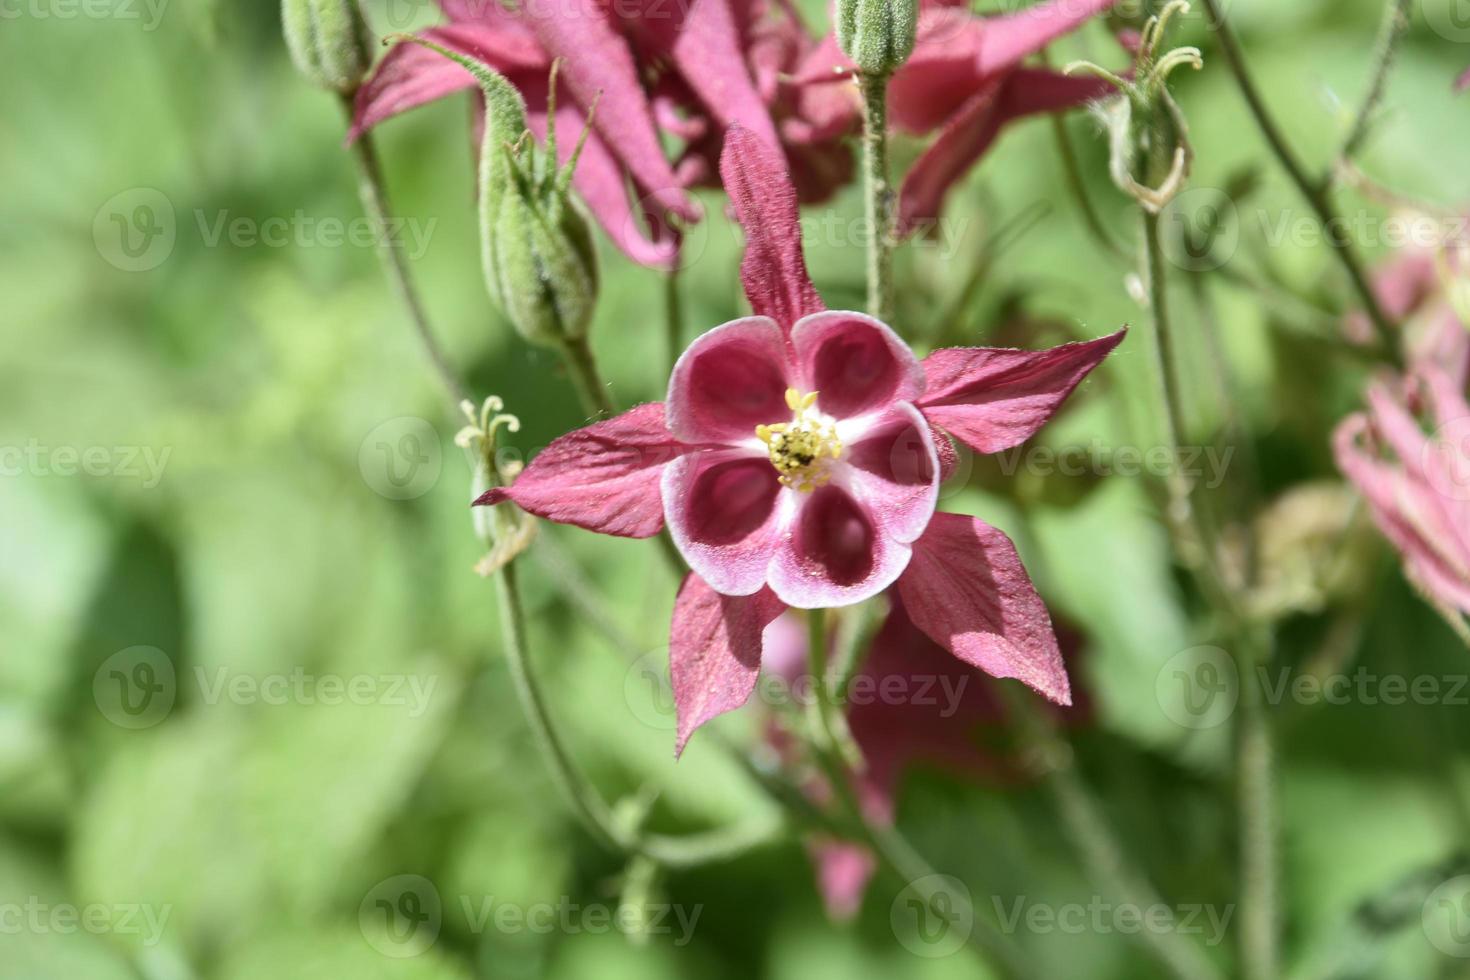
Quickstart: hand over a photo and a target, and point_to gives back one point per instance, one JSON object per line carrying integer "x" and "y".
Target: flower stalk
{"x": 1315, "y": 192}
{"x": 600, "y": 819}
{"x": 1393, "y": 27}
{"x": 877, "y": 194}
{"x": 887, "y": 843}
{"x": 374, "y": 195}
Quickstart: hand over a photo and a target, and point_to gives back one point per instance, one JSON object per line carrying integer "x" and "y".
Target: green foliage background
{"x": 266, "y": 549}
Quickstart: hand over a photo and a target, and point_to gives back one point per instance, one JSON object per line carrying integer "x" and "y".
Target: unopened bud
{"x": 329, "y": 42}
{"x": 877, "y": 35}
{"x": 536, "y": 247}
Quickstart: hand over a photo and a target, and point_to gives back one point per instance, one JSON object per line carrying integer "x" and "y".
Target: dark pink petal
{"x": 856, "y": 362}
{"x": 992, "y": 399}
{"x": 966, "y": 588}
{"x": 834, "y": 552}
{"x": 969, "y": 132}
{"x": 410, "y": 75}
{"x": 730, "y": 380}
{"x": 714, "y": 651}
{"x": 604, "y": 477}
{"x": 706, "y": 50}
{"x": 724, "y": 514}
{"x": 599, "y": 67}
{"x": 894, "y": 469}
{"x": 761, "y": 192}
{"x": 1006, "y": 41}
{"x": 965, "y": 138}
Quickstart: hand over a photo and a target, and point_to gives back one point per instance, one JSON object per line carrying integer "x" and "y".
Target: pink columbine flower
{"x": 688, "y": 55}
{"x": 1416, "y": 485}
{"x": 796, "y": 463}
{"x": 965, "y": 81}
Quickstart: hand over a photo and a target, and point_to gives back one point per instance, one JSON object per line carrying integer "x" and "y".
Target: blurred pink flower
{"x": 910, "y": 705}
{"x": 964, "y": 80}
{"x": 1412, "y": 291}
{"x": 1463, "y": 82}
{"x": 687, "y": 54}
{"x": 796, "y": 463}
{"x": 1417, "y": 485}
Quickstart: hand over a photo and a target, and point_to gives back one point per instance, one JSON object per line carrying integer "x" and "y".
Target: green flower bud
{"x": 329, "y": 41}
{"x": 878, "y": 35}
{"x": 539, "y": 261}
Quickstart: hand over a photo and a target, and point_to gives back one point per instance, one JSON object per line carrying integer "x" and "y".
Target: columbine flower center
{"x": 803, "y": 449}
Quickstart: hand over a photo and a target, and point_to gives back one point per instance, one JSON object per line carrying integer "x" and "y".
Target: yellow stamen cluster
{"x": 802, "y": 449}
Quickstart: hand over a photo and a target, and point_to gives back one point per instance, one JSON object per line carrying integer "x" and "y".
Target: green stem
{"x": 1073, "y": 173}
{"x": 591, "y": 389}
{"x": 595, "y": 814}
{"x": 878, "y": 195}
{"x": 1095, "y": 841}
{"x": 1256, "y": 791}
{"x": 1315, "y": 192}
{"x": 1395, "y": 23}
{"x": 1256, "y": 798}
{"x": 1191, "y": 538}
{"x": 892, "y": 849}
{"x": 374, "y": 195}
